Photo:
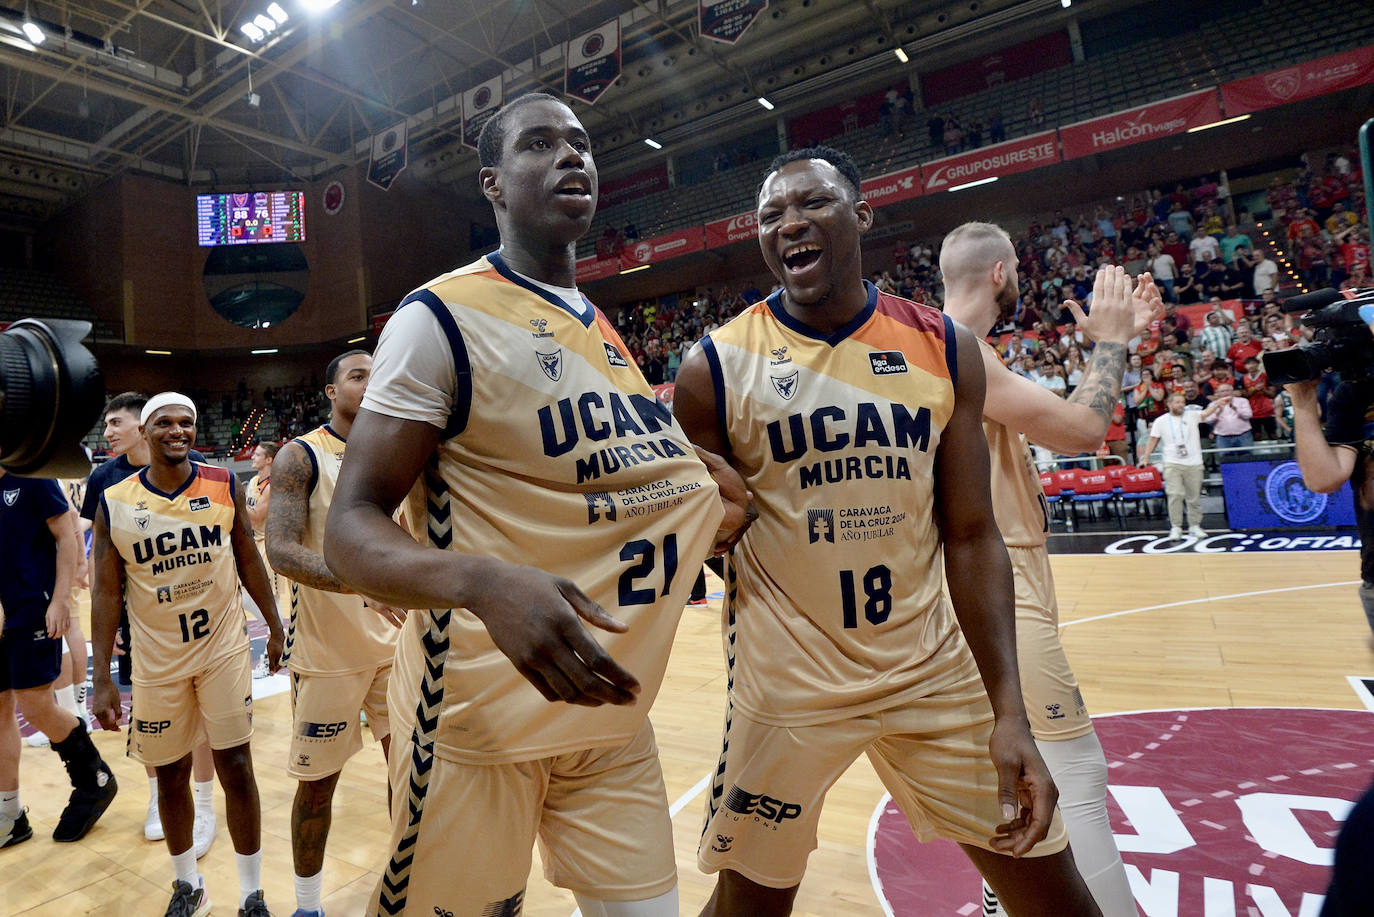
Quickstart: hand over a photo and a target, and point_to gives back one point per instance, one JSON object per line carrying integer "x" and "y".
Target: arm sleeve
{"x": 413, "y": 374}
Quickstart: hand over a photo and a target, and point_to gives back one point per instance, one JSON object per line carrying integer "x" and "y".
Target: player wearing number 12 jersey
{"x": 854, "y": 418}
{"x": 174, "y": 541}
{"x": 551, "y": 486}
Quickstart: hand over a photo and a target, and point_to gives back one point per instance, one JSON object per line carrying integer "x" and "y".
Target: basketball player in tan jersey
{"x": 339, "y": 651}
{"x": 978, "y": 263}
{"x": 507, "y": 767}
{"x": 168, "y": 538}
{"x": 257, "y": 496}
{"x": 951, "y": 778}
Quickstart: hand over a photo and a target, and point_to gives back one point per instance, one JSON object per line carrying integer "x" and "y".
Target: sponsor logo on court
{"x": 1227, "y": 543}
{"x": 1211, "y": 815}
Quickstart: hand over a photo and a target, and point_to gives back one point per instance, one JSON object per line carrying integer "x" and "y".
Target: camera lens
{"x": 51, "y": 392}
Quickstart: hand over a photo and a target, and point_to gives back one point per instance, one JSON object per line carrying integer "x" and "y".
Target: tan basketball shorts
{"x": 325, "y": 729}
{"x": 930, "y": 753}
{"x": 600, "y": 817}
{"x": 1054, "y": 704}
{"x": 167, "y": 721}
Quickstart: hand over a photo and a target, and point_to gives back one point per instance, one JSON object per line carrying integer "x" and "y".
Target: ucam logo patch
{"x": 1213, "y": 816}
{"x": 887, "y": 362}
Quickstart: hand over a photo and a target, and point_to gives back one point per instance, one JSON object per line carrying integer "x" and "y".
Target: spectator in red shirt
{"x": 1221, "y": 375}
{"x": 1245, "y": 345}
{"x": 1255, "y": 386}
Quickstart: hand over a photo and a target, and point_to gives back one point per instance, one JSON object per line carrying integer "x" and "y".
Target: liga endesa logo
{"x": 1217, "y": 813}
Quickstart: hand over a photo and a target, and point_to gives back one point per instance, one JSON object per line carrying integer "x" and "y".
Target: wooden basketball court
{"x": 1142, "y": 632}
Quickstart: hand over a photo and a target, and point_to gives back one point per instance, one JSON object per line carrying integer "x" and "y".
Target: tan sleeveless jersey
{"x": 331, "y": 633}
{"x": 836, "y": 608}
{"x": 181, "y": 583}
{"x": 1018, "y": 501}
{"x": 556, "y": 455}
{"x": 252, "y": 493}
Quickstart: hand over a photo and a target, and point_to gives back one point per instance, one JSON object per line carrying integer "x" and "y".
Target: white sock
{"x": 184, "y": 865}
{"x": 152, "y": 789}
{"x": 67, "y": 701}
{"x": 79, "y": 695}
{"x": 9, "y": 803}
{"x": 308, "y": 892}
{"x": 205, "y": 796}
{"x": 1080, "y": 771}
{"x": 665, "y": 905}
{"x": 250, "y": 873}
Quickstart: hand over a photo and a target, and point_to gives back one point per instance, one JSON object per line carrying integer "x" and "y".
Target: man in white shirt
{"x": 1266, "y": 275}
{"x": 1203, "y": 249}
{"x": 1176, "y": 432}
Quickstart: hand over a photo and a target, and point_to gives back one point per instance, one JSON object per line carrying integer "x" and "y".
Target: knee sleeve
{"x": 665, "y": 905}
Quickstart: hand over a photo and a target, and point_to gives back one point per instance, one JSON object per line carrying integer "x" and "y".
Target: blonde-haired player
{"x": 173, "y": 541}
{"x": 978, "y": 263}
{"x": 338, "y": 649}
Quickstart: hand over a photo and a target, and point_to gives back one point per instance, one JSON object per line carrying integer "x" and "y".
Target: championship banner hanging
{"x": 592, "y": 62}
{"x": 388, "y": 156}
{"x": 726, "y": 20}
{"x": 479, "y": 104}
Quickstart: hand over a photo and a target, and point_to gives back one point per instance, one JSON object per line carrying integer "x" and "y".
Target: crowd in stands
{"x": 1197, "y": 246}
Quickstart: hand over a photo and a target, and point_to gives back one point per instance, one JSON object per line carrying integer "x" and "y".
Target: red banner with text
{"x": 733, "y": 229}
{"x": 594, "y": 268}
{"x": 892, "y": 187}
{"x": 1020, "y": 155}
{"x": 1302, "y": 81}
{"x": 1136, "y": 125}
{"x": 661, "y": 248}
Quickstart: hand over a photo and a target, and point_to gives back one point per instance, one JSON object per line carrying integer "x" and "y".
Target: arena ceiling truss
{"x": 178, "y": 90}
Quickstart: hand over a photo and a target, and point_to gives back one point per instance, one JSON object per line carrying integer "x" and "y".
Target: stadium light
{"x": 1204, "y": 127}
{"x": 159, "y": 353}
{"x": 253, "y": 32}
{"x": 652, "y": 144}
{"x": 277, "y": 13}
{"x": 901, "y": 54}
{"x": 638, "y": 267}
{"x": 1066, "y": 3}
{"x": 974, "y": 184}
{"x": 33, "y": 32}
{"x": 317, "y": 6}
{"x": 264, "y": 351}
{"x": 266, "y": 23}
{"x": 766, "y": 104}
{"x": 357, "y": 340}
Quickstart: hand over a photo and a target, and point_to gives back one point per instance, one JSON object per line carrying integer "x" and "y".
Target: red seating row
{"x": 1124, "y": 479}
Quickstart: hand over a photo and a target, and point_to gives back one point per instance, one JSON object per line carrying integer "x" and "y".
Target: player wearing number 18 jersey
{"x": 854, "y": 418}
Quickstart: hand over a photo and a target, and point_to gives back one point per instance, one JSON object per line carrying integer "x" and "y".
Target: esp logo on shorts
{"x": 323, "y": 730}
{"x": 152, "y": 727}
{"x": 761, "y": 805}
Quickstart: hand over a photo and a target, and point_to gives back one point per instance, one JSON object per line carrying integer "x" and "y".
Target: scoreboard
{"x": 250, "y": 217}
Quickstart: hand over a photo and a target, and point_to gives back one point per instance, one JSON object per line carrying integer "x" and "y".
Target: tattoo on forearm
{"x": 286, "y": 517}
{"x": 1101, "y": 385}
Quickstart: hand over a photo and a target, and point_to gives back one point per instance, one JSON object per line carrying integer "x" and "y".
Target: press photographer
{"x": 1342, "y": 450}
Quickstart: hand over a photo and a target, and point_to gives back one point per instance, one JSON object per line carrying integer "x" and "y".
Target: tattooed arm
{"x": 293, "y": 477}
{"x": 1079, "y": 423}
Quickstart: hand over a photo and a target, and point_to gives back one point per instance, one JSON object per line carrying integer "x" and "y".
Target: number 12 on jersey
{"x": 877, "y": 586}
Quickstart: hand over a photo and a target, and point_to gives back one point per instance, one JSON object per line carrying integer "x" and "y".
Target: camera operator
{"x": 1341, "y": 451}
